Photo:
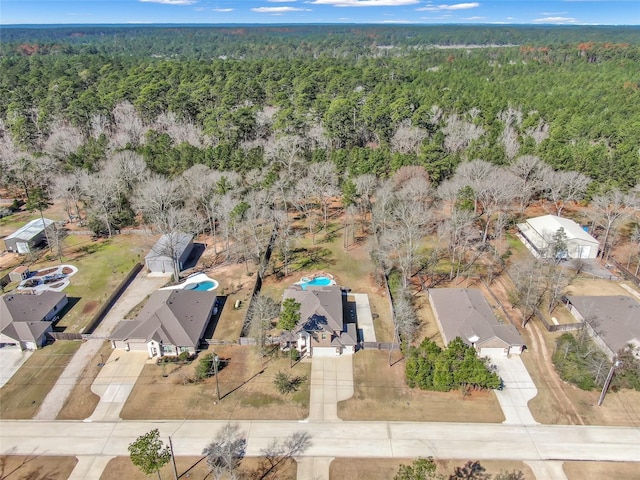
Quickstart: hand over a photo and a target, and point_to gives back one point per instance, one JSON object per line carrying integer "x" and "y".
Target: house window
{"x": 168, "y": 349}
{"x": 324, "y": 336}
{"x": 183, "y": 349}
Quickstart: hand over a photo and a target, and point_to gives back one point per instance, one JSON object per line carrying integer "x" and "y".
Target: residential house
{"x": 612, "y": 320}
{"x": 26, "y": 319}
{"x": 171, "y": 322}
{"x": 28, "y": 237}
{"x": 465, "y": 313}
{"x": 322, "y": 329}
{"x": 537, "y": 235}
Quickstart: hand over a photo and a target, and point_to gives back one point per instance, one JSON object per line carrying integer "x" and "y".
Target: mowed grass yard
{"x": 600, "y": 470}
{"x": 381, "y": 394}
{"x": 190, "y": 467}
{"x": 385, "y": 468}
{"x": 102, "y": 265}
{"x": 246, "y": 389}
{"x": 22, "y": 395}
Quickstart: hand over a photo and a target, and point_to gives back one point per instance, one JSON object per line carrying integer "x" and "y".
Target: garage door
{"x": 325, "y": 352}
{"x": 137, "y": 347}
{"x": 584, "y": 251}
{"x": 490, "y": 352}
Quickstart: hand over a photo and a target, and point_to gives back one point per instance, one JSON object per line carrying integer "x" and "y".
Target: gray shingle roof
{"x": 173, "y": 317}
{"x": 27, "y": 308}
{"x": 31, "y": 229}
{"x": 172, "y": 243}
{"x": 616, "y": 318}
{"x": 465, "y": 313}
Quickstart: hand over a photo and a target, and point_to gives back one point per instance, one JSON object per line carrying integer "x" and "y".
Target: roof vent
{"x": 474, "y": 338}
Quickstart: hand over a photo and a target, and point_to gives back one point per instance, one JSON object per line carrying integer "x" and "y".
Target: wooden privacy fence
{"x": 106, "y": 306}
{"x": 627, "y": 274}
{"x": 552, "y": 327}
{"x": 379, "y": 346}
{"x": 66, "y": 336}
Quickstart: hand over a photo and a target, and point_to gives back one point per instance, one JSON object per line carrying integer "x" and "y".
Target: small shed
{"x": 28, "y": 236}
{"x": 537, "y": 235}
{"x": 173, "y": 245}
{"x": 19, "y": 274}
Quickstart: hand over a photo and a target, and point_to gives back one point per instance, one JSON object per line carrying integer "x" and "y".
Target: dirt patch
{"x": 386, "y": 468}
{"x": 81, "y": 402}
{"x": 36, "y": 467}
{"x": 67, "y": 270}
{"x": 600, "y": 470}
{"x": 89, "y": 307}
{"x": 584, "y": 286}
{"x": 188, "y": 467}
{"x": 381, "y": 394}
{"x": 246, "y": 388}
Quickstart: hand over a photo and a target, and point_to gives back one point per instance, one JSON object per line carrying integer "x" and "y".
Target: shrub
{"x": 286, "y": 383}
{"x": 184, "y": 356}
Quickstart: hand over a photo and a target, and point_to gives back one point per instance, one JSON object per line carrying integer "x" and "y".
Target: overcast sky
{"x": 559, "y": 12}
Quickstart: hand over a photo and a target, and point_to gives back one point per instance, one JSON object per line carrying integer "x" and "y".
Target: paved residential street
{"x": 338, "y": 439}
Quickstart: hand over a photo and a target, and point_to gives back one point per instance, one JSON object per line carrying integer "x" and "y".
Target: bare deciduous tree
{"x": 530, "y": 173}
{"x": 607, "y": 211}
{"x": 564, "y": 187}
{"x": 459, "y": 133}
{"x": 226, "y": 451}
{"x": 408, "y": 139}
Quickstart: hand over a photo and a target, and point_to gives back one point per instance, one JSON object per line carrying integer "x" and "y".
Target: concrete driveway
{"x": 115, "y": 382}
{"x": 11, "y": 359}
{"x": 366, "y": 332}
{"x": 331, "y": 382}
{"x": 140, "y": 287}
{"x": 518, "y": 390}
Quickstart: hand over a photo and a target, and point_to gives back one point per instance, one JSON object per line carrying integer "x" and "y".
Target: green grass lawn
{"x": 23, "y": 394}
{"x": 102, "y": 265}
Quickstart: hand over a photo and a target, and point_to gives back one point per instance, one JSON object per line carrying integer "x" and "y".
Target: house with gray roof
{"x": 26, "y": 319}
{"x": 322, "y": 329}
{"x": 28, "y": 237}
{"x": 612, "y": 320}
{"x": 171, "y": 322}
{"x": 465, "y": 313}
{"x": 537, "y": 235}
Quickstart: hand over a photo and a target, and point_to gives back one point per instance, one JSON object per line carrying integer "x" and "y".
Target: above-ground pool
{"x": 316, "y": 282}
{"x": 197, "y": 281}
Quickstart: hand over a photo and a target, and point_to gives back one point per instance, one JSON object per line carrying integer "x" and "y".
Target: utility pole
{"x": 173, "y": 460}
{"x": 607, "y": 382}
{"x": 215, "y": 370}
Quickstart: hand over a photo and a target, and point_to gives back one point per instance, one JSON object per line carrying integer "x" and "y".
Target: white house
{"x": 174, "y": 245}
{"x": 465, "y": 313}
{"x": 537, "y": 234}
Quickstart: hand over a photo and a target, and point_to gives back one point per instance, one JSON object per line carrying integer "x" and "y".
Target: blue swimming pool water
{"x": 202, "y": 286}
{"x": 317, "y": 282}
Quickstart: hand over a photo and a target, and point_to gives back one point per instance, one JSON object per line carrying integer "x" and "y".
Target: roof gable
{"x": 27, "y": 308}
{"x": 465, "y": 313}
{"x": 176, "y": 317}
{"x": 320, "y": 307}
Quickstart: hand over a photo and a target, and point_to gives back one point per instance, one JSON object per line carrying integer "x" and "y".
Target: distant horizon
{"x": 319, "y": 12}
{"x": 283, "y": 24}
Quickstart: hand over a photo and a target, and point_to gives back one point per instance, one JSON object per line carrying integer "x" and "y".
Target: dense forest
{"x": 576, "y": 106}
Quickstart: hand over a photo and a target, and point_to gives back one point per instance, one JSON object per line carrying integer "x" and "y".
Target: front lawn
{"x": 381, "y": 394}
{"x": 246, "y": 389}
{"x": 23, "y": 394}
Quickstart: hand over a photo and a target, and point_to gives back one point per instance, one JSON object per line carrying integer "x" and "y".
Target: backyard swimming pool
{"x": 202, "y": 286}
{"x": 316, "y": 282}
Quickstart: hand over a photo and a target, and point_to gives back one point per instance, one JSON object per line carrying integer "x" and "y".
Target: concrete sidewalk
{"x": 141, "y": 286}
{"x": 365, "y": 320}
{"x": 11, "y": 359}
{"x": 90, "y": 467}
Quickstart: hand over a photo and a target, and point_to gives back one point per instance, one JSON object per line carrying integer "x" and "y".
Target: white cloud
{"x": 222, "y": 10}
{"x": 474, "y": 18}
{"x": 455, "y": 6}
{"x": 170, "y": 2}
{"x": 396, "y": 21}
{"x": 281, "y": 1}
{"x": 279, "y": 10}
{"x": 365, "y": 3}
{"x": 555, "y": 20}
